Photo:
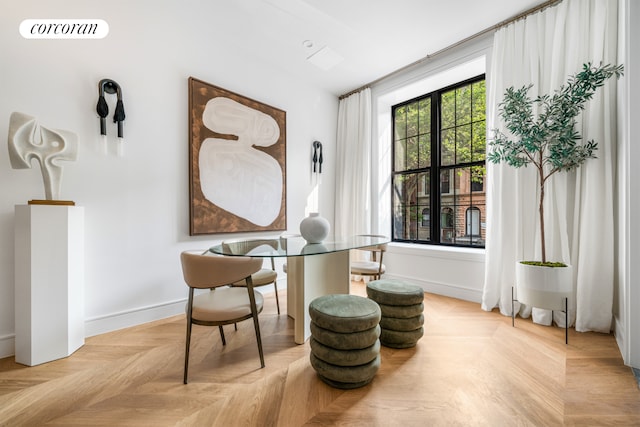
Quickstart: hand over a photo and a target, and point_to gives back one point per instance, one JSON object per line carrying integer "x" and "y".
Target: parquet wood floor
{"x": 472, "y": 368}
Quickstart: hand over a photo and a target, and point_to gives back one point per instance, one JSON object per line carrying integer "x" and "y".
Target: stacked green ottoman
{"x": 345, "y": 349}
{"x": 401, "y": 304}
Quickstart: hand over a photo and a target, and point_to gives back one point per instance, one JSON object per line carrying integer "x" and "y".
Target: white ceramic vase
{"x": 314, "y": 228}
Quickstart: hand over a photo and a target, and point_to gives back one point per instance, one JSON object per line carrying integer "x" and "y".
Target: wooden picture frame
{"x": 237, "y": 162}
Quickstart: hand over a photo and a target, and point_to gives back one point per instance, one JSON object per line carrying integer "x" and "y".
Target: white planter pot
{"x": 543, "y": 287}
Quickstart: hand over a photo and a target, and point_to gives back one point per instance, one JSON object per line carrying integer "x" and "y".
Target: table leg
{"x": 309, "y": 277}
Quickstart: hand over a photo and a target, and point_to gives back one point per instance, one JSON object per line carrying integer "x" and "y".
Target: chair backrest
{"x": 246, "y": 245}
{"x": 204, "y": 271}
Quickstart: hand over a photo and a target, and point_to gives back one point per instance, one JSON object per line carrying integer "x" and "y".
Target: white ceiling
{"x": 368, "y": 38}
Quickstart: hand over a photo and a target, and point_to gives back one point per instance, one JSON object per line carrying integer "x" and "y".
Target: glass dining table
{"x": 313, "y": 270}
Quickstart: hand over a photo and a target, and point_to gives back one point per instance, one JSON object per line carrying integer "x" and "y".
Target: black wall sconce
{"x": 317, "y": 157}
{"x": 110, "y": 87}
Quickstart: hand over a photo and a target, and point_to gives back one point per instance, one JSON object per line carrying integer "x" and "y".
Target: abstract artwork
{"x": 237, "y": 162}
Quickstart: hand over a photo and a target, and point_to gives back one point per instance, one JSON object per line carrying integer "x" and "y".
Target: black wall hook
{"x": 110, "y": 87}
{"x": 317, "y": 156}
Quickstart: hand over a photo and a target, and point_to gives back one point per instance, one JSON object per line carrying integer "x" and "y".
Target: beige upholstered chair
{"x": 222, "y": 304}
{"x": 373, "y": 267}
{"x": 264, "y": 276}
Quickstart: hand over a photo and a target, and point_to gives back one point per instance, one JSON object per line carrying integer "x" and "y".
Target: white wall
{"x": 136, "y": 207}
{"x": 627, "y": 297}
{"x": 454, "y": 272}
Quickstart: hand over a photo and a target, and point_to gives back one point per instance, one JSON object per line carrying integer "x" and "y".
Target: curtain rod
{"x": 456, "y": 44}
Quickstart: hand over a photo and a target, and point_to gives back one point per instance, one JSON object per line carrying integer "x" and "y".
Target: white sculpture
{"x": 233, "y": 174}
{"x": 28, "y": 140}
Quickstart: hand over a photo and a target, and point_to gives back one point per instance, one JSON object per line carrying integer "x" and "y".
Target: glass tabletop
{"x": 293, "y": 246}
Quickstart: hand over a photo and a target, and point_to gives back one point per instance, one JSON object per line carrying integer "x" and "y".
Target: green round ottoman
{"x": 401, "y": 305}
{"x": 344, "y": 313}
{"x": 345, "y": 341}
{"x": 345, "y": 345}
{"x": 394, "y": 292}
{"x": 344, "y": 357}
{"x": 400, "y": 339}
{"x": 345, "y": 377}
{"x": 402, "y": 325}
{"x": 401, "y": 310}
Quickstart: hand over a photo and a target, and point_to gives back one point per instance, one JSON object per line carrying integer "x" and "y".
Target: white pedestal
{"x": 49, "y": 282}
{"x": 312, "y": 276}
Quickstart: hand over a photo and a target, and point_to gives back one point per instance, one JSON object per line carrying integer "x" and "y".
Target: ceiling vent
{"x": 325, "y": 58}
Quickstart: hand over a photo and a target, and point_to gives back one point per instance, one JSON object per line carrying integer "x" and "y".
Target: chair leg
{"x": 256, "y": 323}
{"x": 275, "y": 286}
{"x": 186, "y": 350}
{"x": 224, "y": 342}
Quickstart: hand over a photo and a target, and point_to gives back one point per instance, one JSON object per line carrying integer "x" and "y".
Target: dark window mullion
{"x": 434, "y": 201}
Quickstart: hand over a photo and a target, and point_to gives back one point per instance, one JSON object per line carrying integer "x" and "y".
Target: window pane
{"x": 400, "y": 123}
{"x": 448, "y": 204}
{"x": 445, "y": 182}
{"x": 424, "y": 203}
{"x": 448, "y": 109}
{"x": 447, "y": 224}
{"x": 398, "y": 190}
{"x": 398, "y": 222}
{"x": 411, "y": 231}
{"x": 424, "y": 185}
{"x": 463, "y": 105}
{"x": 472, "y": 219}
{"x": 411, "y": 189}
{"x": 479, "y": 107}
{"x": 398, "y": 206}
{"x": 412, "y": 153}
{"x": 463, "y": 144}
{"x": 412, "y": 119}
{"x": 424, "y": 153}
{"x": 425, "y": 116}
{"x": 468, "y": 228}
{"x": 474, "y": 224}
{"x": 462, "y": 179}
{"x": 479, "y": 142}
{"x": 448, "y": 147}
{"x": 477, "y": 180}
{"x": 424, "y": 228}
{"x": 406, "y": 193}
{"x": 400, "y": 159}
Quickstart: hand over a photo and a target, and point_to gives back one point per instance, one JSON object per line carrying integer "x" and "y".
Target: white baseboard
{"x": 111, "y": 322}
{"x": 125, "y": 319}
{"x": 115, "y": 321}
{"x": 139, "y": 316}
{"x": 7, "y": 345}
{"x": 618, "y": 333}
{"x": 445, "y": 289}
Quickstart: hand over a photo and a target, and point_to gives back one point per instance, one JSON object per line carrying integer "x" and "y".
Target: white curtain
{"x": 543, "y": 50}
{"x": 353, "y": 157}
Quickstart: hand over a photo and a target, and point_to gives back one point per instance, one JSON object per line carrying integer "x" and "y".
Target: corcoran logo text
{"x": 64, "y": 28}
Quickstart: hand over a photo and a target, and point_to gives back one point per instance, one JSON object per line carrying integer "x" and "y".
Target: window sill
{"x": 434, "y": 251}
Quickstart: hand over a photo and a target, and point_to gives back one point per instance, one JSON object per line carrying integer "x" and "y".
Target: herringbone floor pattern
{"x": 472, "y": 368}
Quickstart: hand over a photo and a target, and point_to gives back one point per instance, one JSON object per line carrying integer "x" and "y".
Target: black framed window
{"x": 439, "y": 149}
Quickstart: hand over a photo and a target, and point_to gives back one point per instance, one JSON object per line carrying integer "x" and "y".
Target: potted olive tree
{"x": 545, "y": 137}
